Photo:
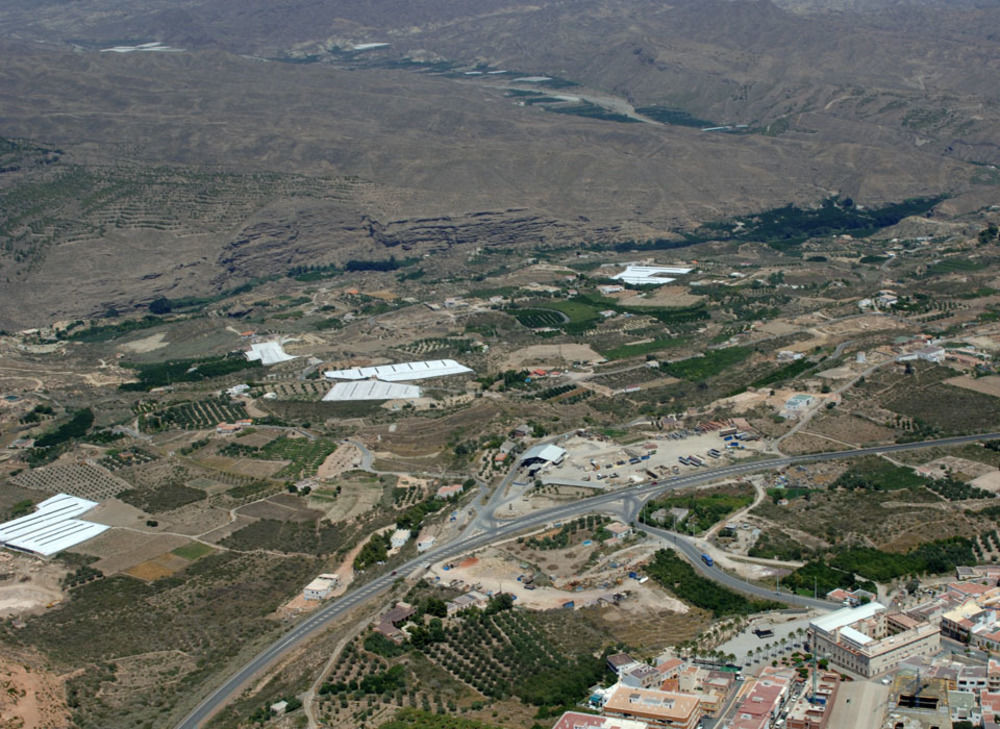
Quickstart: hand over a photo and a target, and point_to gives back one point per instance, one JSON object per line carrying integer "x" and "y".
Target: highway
{"x": 486, "y": 531}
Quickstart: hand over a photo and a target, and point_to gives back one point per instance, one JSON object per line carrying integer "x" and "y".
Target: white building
{"x": 321, "y": 587}
{"x": 268, "y": 353}
{"x": 52, "y": 528}
{"x": 650, "y": 275}
{"x": 870, "y": 640}
{"x": 371, "y": 390}
{"x": 402, "y": 372}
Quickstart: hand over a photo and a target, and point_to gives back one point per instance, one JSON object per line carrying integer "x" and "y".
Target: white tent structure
{"x": 52, "y": 528}
{"x": 650, "y": 275}
{"x": 402, "y": 372}
{"x": 371, "y": 390}
{"x": 269, "y": 353}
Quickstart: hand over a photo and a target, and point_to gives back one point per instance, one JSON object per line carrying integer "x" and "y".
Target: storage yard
{"x": 597, "y": 462}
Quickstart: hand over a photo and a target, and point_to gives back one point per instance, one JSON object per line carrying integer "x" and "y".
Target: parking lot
{"x": 744, "y": 645}
{"x": 603, "y": 463}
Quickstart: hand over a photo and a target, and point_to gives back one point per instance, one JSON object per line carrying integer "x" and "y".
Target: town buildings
{"x": 871, "y": 640}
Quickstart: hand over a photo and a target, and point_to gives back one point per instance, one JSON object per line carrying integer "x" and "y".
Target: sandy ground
{"x": 347, "y": 457}
{"x": 989, "y": 385}
{"x": 146, "y": 344}
{"x": 989, "y": 481}
{"x": 549, "y": 355}
{"x": 496, "y": 572}
{"x": 973, "y": 469}
{"x": 28, "y": 585}
{"x": 30, "y": 698}
{"x": 115, "y": 512}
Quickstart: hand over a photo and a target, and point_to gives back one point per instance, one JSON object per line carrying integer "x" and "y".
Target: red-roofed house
{"x": 991, "y": 707}
{"x": 452, "y": 490}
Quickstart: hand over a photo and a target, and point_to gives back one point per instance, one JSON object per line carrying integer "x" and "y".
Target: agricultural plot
{"x": 441, "y": 346}
{"x": 290, "y": 537}
{"x": 638, "y": 349}
{"x": 203, "y": 414}
{"x": 540, "y": 318}
{"x": 309, "y": 390}
{"x": 967, "y": 411}
{"x": 305, "y": 455}
{"x": 373, "y": 678}
{"x": 283, "y": 507}
{"x": 117, "y": 459}
{"x": 627, "y": 378}
{"x": 507, "y": 653}
{"x": 78, "y": 479}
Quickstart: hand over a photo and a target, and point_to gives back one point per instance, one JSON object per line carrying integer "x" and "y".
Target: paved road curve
{"x": 495, "y": 531}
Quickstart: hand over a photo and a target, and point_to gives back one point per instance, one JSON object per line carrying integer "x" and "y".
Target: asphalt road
{"x": 493, "y": 532}
{"x": 693, "y": 553}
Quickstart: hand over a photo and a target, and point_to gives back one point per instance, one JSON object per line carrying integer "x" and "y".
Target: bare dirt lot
{"x": 347, "y": 457}
{"x": 30, "y": 696}
{"x": 497, "y": 570}
{"x": 549, "y": 355}
{"x": 663, "y": 296}
{"x": 244, "y": 466}
{"x": 163, "y": 565}
{"x": 146, "y": 344}
{"x": 119, "y": 549}
{"x": 359, "y": 492}
{"x": 27, "y": 584}
{"x": 284, "y": 507}
{"x": 989, "y": 385}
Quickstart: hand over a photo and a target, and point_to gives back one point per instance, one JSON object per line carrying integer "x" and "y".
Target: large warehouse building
{"x": 543, "y": 454}
{"x": 402, "y": 372}
{"x": 52, "y": 528}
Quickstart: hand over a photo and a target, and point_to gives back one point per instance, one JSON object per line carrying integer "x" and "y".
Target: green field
{"x": 712, "y": 363}
{"x": 637, "y": 350}
{"x": 193, "y": 551}
{"x": 539, "y": 318}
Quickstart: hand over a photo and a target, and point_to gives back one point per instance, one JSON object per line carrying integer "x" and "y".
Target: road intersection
{"x": 486, "y": 529}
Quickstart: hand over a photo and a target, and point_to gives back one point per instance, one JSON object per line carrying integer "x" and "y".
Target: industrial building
{"x": 650, "y": 275}
{"x": 870, "y": 640}
{"x": 52, "y": 528}
{"x": 371, "y": 390}
{"x": 268, "y": 353}
{"x": 542, "y": 454}
{"x": 403, "y": 372}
